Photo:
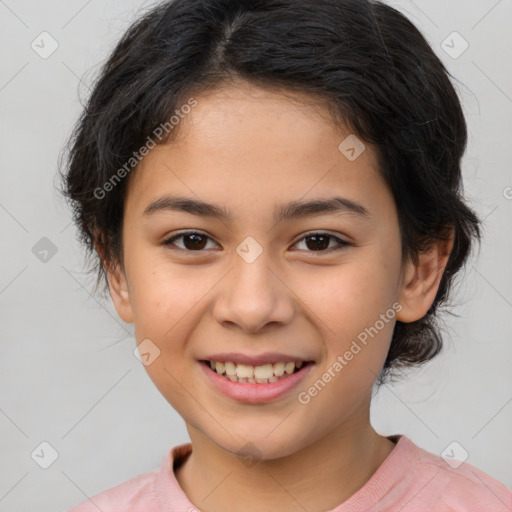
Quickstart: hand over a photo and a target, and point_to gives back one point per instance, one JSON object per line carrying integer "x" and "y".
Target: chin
{"x": 251, "y": 448}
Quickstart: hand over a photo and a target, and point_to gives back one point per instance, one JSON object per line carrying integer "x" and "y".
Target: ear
{"x": 421, "y": 280}
{"x": 120, "y": 294}
{"x": 118, "y": 287}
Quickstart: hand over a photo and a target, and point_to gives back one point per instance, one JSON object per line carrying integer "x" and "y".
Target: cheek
{"x": 355, "y": 293}
{"x": 356, "y": 307}
{"x": 160, "y": 292}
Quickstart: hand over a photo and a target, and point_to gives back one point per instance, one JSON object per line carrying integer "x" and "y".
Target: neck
{"x": 316, "y": 478}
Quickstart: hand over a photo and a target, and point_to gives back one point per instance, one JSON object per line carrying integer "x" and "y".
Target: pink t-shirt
{"x": 409, "y": 480}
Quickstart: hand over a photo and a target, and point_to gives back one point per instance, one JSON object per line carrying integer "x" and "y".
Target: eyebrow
{"x": 293, "y": 210}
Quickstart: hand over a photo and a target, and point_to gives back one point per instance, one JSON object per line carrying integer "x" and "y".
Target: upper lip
{"x": 255, "y": 360}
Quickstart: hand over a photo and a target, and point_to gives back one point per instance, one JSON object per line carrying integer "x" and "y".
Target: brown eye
{"x": 192, "y": 241}
{"x": 320, "y": 242}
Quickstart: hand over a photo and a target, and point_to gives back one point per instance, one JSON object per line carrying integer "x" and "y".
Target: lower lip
{"x": 255, "y": 393}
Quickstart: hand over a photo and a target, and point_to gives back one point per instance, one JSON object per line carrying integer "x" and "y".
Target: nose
{"x": 253, "y": 297}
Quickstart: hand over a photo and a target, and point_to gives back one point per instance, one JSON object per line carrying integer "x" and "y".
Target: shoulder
{"x": 134, "y": 492}
{"x": 443, "y": 481}
{"x": 152, "y": 491}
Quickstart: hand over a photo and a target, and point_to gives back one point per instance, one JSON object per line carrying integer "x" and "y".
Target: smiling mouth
{"x": 263, "y": 374}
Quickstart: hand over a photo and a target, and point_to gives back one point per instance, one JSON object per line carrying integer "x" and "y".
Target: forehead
{"x": 247, "y": 118}
{"x": 246, "y": 143}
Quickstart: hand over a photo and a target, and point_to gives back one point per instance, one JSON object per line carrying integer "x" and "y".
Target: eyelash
{"x": 341, "y": 243}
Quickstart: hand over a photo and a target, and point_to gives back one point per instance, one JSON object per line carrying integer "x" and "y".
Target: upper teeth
{"x": 246, "y": 371}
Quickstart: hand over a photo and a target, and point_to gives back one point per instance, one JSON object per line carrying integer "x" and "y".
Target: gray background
{"x": 68, "y": 375}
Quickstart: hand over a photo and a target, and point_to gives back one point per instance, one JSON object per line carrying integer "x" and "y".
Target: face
{"x": 254, "y": 286}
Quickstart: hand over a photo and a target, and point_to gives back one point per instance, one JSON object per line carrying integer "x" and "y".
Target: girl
{"x": 273, "y": 191}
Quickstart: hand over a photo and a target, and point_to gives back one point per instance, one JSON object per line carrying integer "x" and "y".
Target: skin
{"x": 248, "y": 150}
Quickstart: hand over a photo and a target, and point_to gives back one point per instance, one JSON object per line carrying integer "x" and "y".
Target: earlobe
{"x": 421, "y": 280}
